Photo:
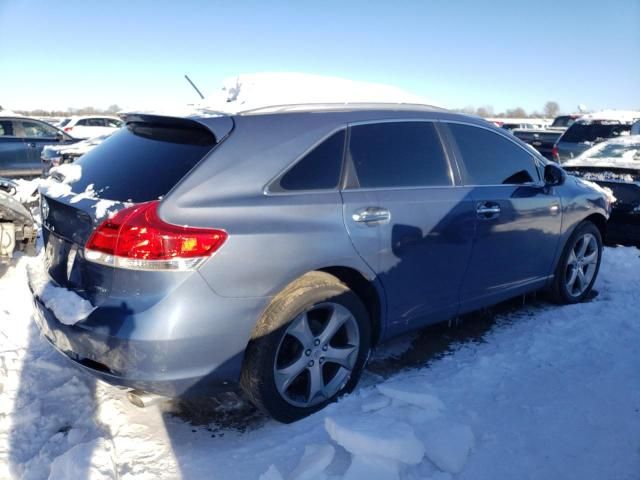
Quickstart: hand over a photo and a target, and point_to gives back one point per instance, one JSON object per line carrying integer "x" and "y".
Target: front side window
{"x": 319, "y": 169}
{"x": 38, "y": 130}
{"x": 6, "y": 128}
{"x": 491, "y": 159}
{"x": 398, "y": 154}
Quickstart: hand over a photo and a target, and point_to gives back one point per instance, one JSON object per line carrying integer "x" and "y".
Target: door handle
{"x": 488, "y": 210}
{"x": 31, "y": 145}
{"x": 372, "y": 216}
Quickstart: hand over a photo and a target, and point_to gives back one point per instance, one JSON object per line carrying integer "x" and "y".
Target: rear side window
{"x": 320, "y": 169}
{"x": 398, "y": 154}
{"x": 490, "y": 159}
{"x": 593, "y": 132}
{"x": 142, "y": 161}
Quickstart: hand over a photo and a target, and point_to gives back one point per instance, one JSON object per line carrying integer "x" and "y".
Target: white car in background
{"x": 89, "y": 126}
{"x": 56, "y": 155}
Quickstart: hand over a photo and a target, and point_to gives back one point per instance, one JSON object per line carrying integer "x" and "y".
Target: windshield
{"x": 593, "y": 132}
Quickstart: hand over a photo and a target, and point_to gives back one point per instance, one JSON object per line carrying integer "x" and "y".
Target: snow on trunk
{"x": 67, "y": 306}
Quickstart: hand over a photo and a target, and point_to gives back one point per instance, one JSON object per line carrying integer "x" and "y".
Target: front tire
{"x": 309, "y": 347}
{"x": 579, "y": 265}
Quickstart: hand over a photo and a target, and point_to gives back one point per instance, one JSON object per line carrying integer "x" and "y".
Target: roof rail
{"x": 292, "y": 107}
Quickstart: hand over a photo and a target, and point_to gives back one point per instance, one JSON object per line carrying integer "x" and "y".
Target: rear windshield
{"x": 64, "y": 122}
{"x": 143, "y": 161}
{"x": 593, "y": 132}
{"x": 565, "y": 121}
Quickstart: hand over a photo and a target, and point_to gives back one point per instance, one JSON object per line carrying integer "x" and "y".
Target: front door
{"x": 518, "y": 219}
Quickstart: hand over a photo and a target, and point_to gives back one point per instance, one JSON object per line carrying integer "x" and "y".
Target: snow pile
{"x": 68, "y": 307}
{"x": 377, "y": 437}
{"x": 414, "y": 391}
{"x": 448, "y": 444}
{"x": 80, "y": 461}
{"x": 60, "y": 186}
{"x": 550, "y": 392}
{"x": 259, "y": 90}
{"x": 314, "y": 461}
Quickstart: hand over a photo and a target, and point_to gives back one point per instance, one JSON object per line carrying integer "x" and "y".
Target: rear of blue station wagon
{"x": 271, "y": 251}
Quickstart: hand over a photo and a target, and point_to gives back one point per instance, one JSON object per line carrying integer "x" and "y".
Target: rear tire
{"x": 579, "y": 265}
{"x": 309, "y": 347}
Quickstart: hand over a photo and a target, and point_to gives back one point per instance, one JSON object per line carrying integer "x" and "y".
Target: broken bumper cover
{"x": 145, "y": 350}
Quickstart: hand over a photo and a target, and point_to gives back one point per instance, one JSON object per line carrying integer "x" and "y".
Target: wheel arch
{"x": 599, "y": 221}
{"x": 369, "y": 292}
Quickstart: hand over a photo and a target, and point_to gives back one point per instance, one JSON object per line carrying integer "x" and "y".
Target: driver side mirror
{"x": 554, "y": 175}
{"x": 60, "y": 137}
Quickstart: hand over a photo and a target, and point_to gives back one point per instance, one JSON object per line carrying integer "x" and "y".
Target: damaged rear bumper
{"x": 157, "y": 351}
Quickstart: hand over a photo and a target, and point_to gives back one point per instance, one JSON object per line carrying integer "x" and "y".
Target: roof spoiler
{"x": 219, "y": 126}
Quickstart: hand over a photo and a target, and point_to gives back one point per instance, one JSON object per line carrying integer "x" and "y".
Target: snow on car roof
{"x": 276, "y": 92}
{"x": 259, "y": 90}
{"x": 623, "y": 116}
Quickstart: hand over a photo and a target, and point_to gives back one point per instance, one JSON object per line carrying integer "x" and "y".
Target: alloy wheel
{"x": 582, "y": 264}
{"x": 316, "y": 355}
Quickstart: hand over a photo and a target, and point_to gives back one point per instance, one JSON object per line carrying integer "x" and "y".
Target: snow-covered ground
{"x": 547, "y": 393}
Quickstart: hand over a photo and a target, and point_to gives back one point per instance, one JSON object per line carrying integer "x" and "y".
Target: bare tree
{"x": 551, "y": 109}
{"x": 485, "y": 111}
{"x": 517, "y": 112}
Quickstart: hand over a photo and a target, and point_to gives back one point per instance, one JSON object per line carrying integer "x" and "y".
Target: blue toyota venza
{"x": 271, "y": 250}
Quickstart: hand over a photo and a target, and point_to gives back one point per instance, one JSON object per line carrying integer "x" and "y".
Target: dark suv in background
{"x": 584, "y": 134}
{"x": 21, "y": 142}
{"x": 274, "y": 248}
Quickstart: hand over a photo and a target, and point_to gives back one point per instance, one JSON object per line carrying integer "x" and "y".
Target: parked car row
{"x": 90, "y": 126}
{"x": 23, "y": 139}
{"x": 272, "y": 251}
{"x": 615, "y": 164}
{"x": 571, "y": 135}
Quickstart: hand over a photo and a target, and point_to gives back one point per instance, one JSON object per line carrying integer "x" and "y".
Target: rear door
{"x": 36, "y": 136}
{"x": 517, "y": 218}
{"x": 407, "y": 218}
{"x": 13, "y": 151}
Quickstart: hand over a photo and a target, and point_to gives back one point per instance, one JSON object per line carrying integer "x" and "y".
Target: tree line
{"x": 551, "y": 109}
{"x": 111, "y": 110}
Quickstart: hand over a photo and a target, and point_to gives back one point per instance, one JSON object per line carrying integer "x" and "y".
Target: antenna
{"x": 194, "y": 86}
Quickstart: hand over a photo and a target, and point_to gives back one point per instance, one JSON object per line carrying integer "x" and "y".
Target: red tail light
{"x": 136, "y": 238}
{"x": 554, "y": 154}
{"x": 68, "y": 129}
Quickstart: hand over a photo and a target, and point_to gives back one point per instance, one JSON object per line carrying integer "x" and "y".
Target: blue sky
{"x": 58, "y": 54}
